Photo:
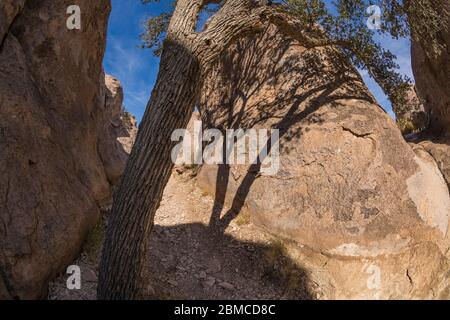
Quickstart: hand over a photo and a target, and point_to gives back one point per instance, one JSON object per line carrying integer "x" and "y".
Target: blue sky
{"x": 137, "y": 68}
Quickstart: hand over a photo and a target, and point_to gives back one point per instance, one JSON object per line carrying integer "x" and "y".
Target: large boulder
{"x": 349, "y": 187}
{"x": 439, "y": 149}
{"x": 55, "y": 127}
{"x": 431, "y": 67}
{"x": 431, "y": 59}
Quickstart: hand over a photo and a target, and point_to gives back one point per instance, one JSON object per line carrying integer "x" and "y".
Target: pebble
{"x": 173, "y": 283}
{"x": 90, "y": 275}
{"x": 226, "y": 286}
{"x": 210, "y": 281}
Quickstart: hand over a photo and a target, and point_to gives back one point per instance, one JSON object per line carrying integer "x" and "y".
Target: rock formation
{"x": 431, "y": 62}
{"x": 350, "y": 191}
{"x": 119, "y": 131}
{"x": 363, "y": 212}
{"x": 182, "y": 161}
{"x": 58, "y": 127}
{"x": 439, "y": 149}
{"x": 431, "y": 66}
{"x": 411, "y": 116}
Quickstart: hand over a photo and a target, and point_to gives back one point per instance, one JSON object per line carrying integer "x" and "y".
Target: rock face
{"x": 349, "y": 187}
{"x": 411, "y": 116}
{"x": 431, "y": 67}
{"x": 439, "y": 149}
{"x": 183, "y": 161}
{"x": 8, "y": 12}
{"x": 119, "y": 131}
{"x": 57, "y": 125}
{"x": 431, "y": 62}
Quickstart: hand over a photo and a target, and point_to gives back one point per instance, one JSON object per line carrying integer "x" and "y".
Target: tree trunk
{"x": 146, "y": 175}
{"x": 187, "y": 55}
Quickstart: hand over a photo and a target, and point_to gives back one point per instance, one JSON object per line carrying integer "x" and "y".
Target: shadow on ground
{"x": 193, "y": 261}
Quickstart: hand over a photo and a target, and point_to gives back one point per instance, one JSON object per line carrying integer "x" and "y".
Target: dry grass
{"x": 243, "y": 219}
{"x": 406, "y": 126}
{"x": 94, "y": 241}
{"x": 279, "y": 267}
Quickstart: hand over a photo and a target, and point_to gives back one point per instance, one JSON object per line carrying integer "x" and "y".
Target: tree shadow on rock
{"x": 301, "y": 111}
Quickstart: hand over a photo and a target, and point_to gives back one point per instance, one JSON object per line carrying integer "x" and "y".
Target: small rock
{"x": 226, "y": 286}
{"x": 202, "y": 275}
{"x": 214, "y": 266}
{"x": 90, "y": 275}
{"x": 209, "y": 282}
{"x": 173, "y": 283}
{"x": 180, "y": 170}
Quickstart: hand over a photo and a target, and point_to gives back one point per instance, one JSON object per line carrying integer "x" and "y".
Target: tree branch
{"x": 183, "y": 21}
{"x": 239, "y": 18}
{"x": 295, "y": 28}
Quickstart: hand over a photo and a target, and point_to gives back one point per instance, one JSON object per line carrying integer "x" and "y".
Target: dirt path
{"x": 188, "y": 259}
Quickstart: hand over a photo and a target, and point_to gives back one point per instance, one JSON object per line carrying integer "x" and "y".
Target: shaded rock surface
{"x": 183, "y": 161}
{"x": 57, "y": 138}
{"x": 431, "y": 62}
{"x": 431, "y": 68}
{"x": 8, "y": 12}
{"x": 348, "y": 186}
{"x": 411, "y": 116}
{"x": 119, "y": 131}
{"x": 438, "y": 148}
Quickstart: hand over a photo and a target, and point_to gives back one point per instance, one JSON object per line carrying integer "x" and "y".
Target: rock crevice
{"x": 58, "y": 139}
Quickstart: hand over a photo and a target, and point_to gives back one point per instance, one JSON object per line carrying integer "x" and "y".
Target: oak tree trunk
{"x": 146, "y": 175}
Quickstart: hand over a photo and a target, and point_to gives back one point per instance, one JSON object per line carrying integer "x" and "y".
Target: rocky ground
{"x": 188, "y": 259}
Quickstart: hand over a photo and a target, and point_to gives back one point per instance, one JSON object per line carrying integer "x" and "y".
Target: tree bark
{"x": 146, "y": 175}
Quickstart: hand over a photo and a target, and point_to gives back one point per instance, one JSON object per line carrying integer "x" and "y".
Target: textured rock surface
{"x": 412, "y": 115}
{"x": 439, "y": 149}
{"x": 348, "y": 181}
{"x": 431, "y": 65}
{"x": 54, "y": 120}
{"x": 184, "y": 161}
{"x": 8, "y": 11}
{"x": 119, "y": 131}
{"x": 414, "y": 272}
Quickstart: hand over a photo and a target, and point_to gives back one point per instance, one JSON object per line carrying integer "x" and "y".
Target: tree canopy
{"x": 341, "y": 22}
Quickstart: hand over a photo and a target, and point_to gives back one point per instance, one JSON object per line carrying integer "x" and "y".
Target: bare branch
{"x": 295, "y": 28}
